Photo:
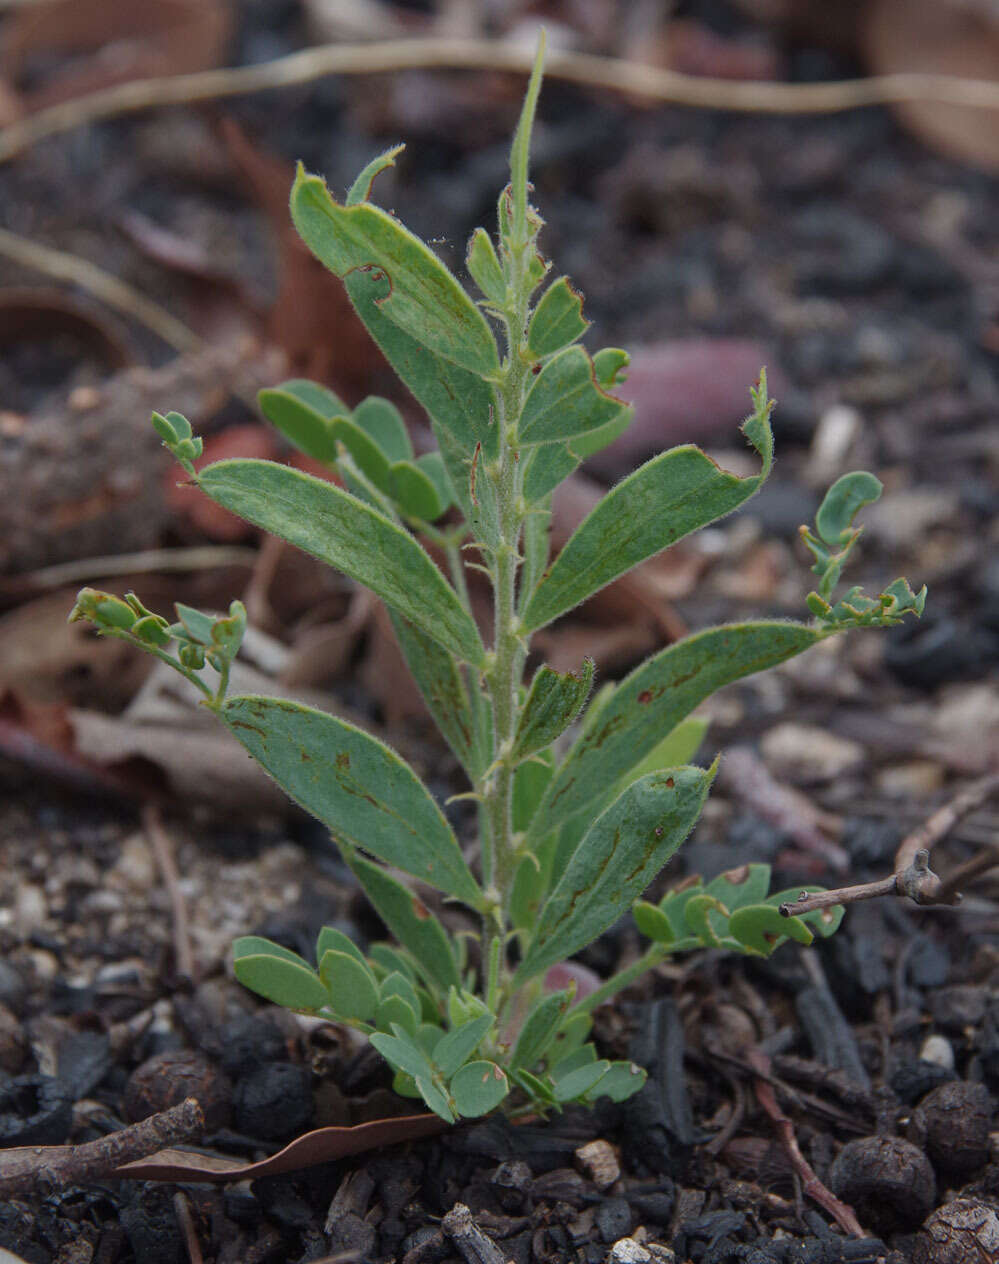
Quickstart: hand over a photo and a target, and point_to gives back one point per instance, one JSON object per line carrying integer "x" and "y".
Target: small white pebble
{"x": 628, "y": 1251}
{"x": 598, "y": 1160}
{"x": 939, "y": 1051}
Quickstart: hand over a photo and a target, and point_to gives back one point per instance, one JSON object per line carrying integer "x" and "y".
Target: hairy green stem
{"x": 618, "y": 982}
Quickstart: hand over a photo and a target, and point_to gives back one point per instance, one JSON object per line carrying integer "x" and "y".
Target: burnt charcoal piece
{"x": 964, "y": 1231}
{"x": 248, "y": 1042}
{"x": 989, "y": 1043}
{"x": 654, "y": 1206}
{"x": 888, "y": 1182}
{"x": 84, "y": 1058}
{"x": 658, "y": 1118}
{"x": 953, "y": 1123}
{"x": 841, "y": 252}
{"x": 166, "y": 1079}
{"x": 274, "y": 1102}
{"x": 712, "y": 1229}
{"x": 613, "y": 1219}
{"x": 425, "y": 1245}
{"x": 830, "y": 1035}
{"x": 34, "y": 1110}
{"x": 151, "y": 1224}
{"x": 915, "y": 1077}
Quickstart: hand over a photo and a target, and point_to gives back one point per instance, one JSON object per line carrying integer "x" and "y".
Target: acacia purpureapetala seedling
{"x": 572, "y": 828}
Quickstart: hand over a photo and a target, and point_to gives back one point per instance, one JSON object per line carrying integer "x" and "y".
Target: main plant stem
{"x": 503, "y": 680}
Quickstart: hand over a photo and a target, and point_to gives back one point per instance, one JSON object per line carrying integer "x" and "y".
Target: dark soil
{"x": 865, "y": 265}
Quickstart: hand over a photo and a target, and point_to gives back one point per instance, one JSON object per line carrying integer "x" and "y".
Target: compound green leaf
{"x": 339, "y": 529}
{"x": 696, "y": 917}
{"x": 665, "y": 499}
{"x": 357, "y": 786}
{"x": 534, "y": 1086}
{"x": 418, "y": 294}
{"x": 747, "y": 884}
{"x": 415, "y": 492}
{"x": 478, "y": 1088}
{"x": 841, "y": 503}
{"x": 824, "y": 922}
{"x": 580, "y": 1082}
{"x": 330, "y": 938}
{"x": 439, "y": 678}
{"x": 435, "y": 1099}
{"x": 453, "y": 1050}
{"x": 403, "y": 1053}
{"x": 558, "y": 319}
{"x": 539, "y": 1029}
{"x": 618, "y": 857}
{"x": 652, "y": 922}
{"x": 566, "y": 401}
{"x": 352, "y": 990}
{"x": 410, "y": 921}
{"x": 553, "y": 703}
{"x": 382, "y": 422}
{"x": 655, "y": 698}
{"x": 395, "y": 1013}
{"x": 761, "y": 928}
{"x": 622, "y": 1081}
{"x": 257, "y": 946}
{"x": 385, "y": 959}
{"x": 302, "y": 411}
{"x": 282, "y": 981}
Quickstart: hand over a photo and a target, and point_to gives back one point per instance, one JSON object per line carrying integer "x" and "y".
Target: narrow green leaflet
{"x": 436, "y": 672}
{"x": 478, "y": 1088}
{"x": 762, "y": 928}
{"x": 410, "y": 921}
{"x": 419, "y": 294}
{"x": 558, "y": 319}
{"x": 281, "y": 981}
{"x": 453, "y": 1050}
{"x": 619, "y": 856}
{"x": 484, "y": 266}
{"x": 622, "y": 1081}
{"x": 417, "y": 495}
{"x": 656, "y": 697}
{"x": 339, "y": 529}
{"x": 404, "y": 1054}
{"x": 548, "y": 466}
{"x": 357, "y": 786}
{"x": 555, "y": 700}
{"x": 435, "y": 1099}
{"x": 566, "y": 401}
{"x": 352, "y": 990}
{"x": 665, "y": 499}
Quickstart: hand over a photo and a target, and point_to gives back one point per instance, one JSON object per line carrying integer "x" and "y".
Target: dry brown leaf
{"x": 321, "y": 1146}
{"x": 128, "y": 40}
{"x": 945, "y": 38}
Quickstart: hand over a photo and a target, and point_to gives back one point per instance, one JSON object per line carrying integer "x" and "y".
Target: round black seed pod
{"x": 167, "y": 1078}
{"x": 952, "y": 1122}
{"x": 274, "y": 1101}
{"x": 964, "y": 1231}
{"x": 889, "y": 1182}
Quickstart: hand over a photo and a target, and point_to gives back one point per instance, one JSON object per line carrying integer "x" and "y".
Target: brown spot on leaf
{"x": 736, "y": 877}
{"x": 420, "y": 910}
{"x": 659, "y": 831}
{"x": 670, "y": 783}
{"x": 343, "y": 760}
{"x": 645, "y": 696}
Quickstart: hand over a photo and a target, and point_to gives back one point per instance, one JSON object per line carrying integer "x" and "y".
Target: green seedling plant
{"x": 574, "y": 822}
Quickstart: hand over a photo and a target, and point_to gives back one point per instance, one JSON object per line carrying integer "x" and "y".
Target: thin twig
{"x": 913, "y": 877}
{"x": 29, "y": 1171}
{"x": 812, "y": 1186}
{"x": 182, "y": 1209}
{"x": 163, "y": 851}
{"x": 201, "y": 557}
{"x": 944, "y": 819}
{"x": 109, "y": 289}
{"x": 619, "y": 75}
